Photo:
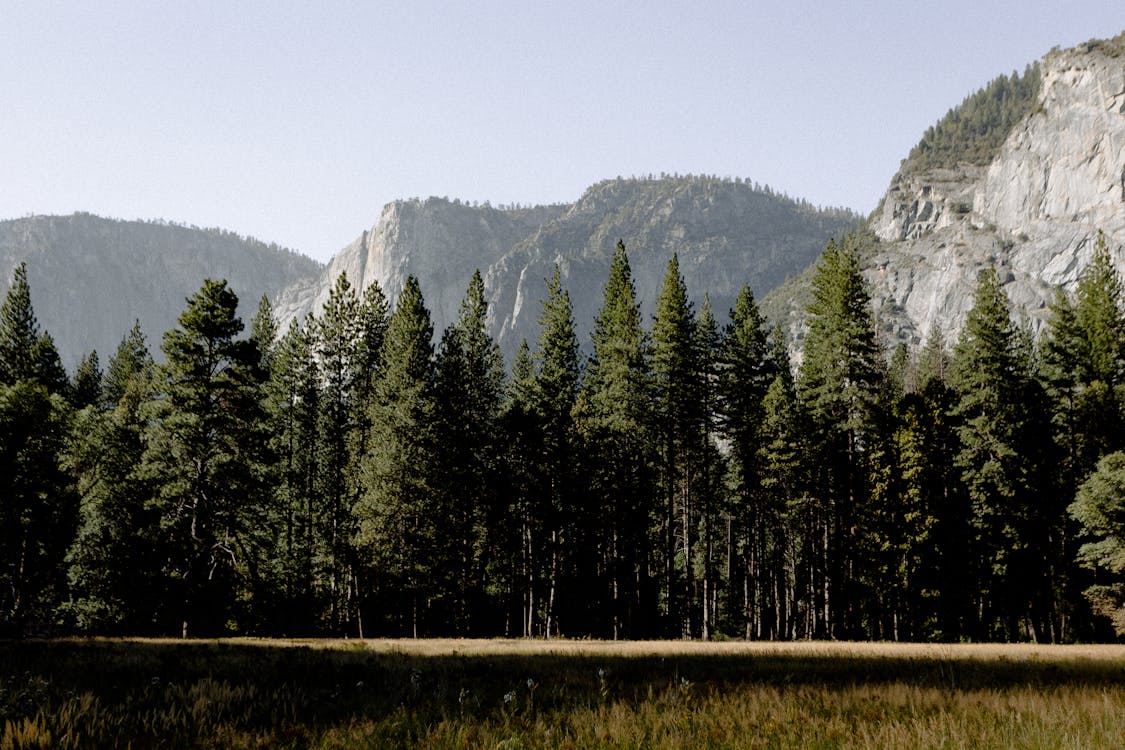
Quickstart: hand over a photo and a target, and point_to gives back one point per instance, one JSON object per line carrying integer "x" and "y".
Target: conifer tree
{"x": 205, "y": 452}
{"x": 468, "y": 392}
{"x": 515, "y": 567}
{"x": 711, "y": 467}
{"x": 746, "y": 373}
{"x": 131, "y": 358}
{"x": 1099, "y": 509}
{"x": 19, "y": 331}
{"x": 38, "y": 511}
{"x": 614, "y": 416}
{"x": 112, "y": 565}
{"x": 86, "y": 387}
{"x": 681, "y": 436}
{"x": 996, "y": 462}
{"x": 397, "y": 524}
{"x": 336, "y": 339}
{"x": 839, "y": 385}
{"x": 555, "y": 393}
{"x": 293, "y": 411}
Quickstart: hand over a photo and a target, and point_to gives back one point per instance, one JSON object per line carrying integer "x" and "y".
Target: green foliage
{"x": 37, "y": 506}
{"x": 1099, "y": 509}
{"x": 468, "y": 390}
{"x": 839, "y": 384}
{"x": 112, "y": 564}
{"x": 974, "y": 131}
{"x": 397, "y": 523}
{"x": 613, "y": 414}
{"x": 205, "y": 452}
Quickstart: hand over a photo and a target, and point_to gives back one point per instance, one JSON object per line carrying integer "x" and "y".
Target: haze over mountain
{"x": 92, "y": 278}
{"x": 1021, "y": 175}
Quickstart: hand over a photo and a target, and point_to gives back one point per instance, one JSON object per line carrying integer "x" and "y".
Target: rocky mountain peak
{"x": 1029, "y": 202}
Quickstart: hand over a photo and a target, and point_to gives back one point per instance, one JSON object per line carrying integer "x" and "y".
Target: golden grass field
{"x": 558, "y": 693}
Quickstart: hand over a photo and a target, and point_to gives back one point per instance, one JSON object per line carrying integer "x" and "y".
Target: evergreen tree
{"x": 1099, "y": 508}
{"x": 839, "y": 385}
{"x": 397, "y": 523}
{"x": 791, "y": 553}
{"x": 711, "y": 467}
{"x": 746, "y": 374}
{"x": 204, "y": 452}
{"x": 19, "y": 332}
{"x": 613, "y": 416}
{"x": 112, "y": 565}
{"x": 336, "y": 339}
{"x": 132, "y": 357}
{"x": 86, "y": 388}
{"x": 26, "y": 353}
{"x": 293, "y": 411}
{"x": 996, "y": 463}
{"x": 681, "y": 438}
{"x": 555, "y": 393}
{"x": 468, "y": 394}
{"x": 38, "y": 511}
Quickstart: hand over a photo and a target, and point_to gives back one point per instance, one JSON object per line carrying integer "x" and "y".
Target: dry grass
{"x": 557, "y": 694}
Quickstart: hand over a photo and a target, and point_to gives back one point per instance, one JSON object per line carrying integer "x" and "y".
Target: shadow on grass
{"x": 111, "y": 690}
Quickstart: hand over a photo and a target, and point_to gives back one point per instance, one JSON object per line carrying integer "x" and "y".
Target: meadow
{"x": 245, "y": 693}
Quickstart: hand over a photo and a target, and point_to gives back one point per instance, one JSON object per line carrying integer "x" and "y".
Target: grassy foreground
{"x": 558, "y": 694}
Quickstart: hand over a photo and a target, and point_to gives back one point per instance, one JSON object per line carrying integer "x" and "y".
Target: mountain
{"x": 92, "y": 278}
{"x": 1021, "y": 176}
{"x": 727, "y": 233}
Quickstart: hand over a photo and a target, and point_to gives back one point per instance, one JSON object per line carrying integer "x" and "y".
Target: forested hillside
{"x": 348, "y": 476}
{"x": 94, "y": 277}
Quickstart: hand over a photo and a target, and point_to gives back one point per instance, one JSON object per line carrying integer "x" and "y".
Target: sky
{"x": 296, "y": 122}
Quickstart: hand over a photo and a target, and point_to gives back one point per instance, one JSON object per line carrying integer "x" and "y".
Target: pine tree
{"x": 1099, "y": 509}
{"x": 19, "y": 331}
{"x": 468, "y": 392}
{"x": 293, "y": 411}
{"x": 396, "y": 520}
{"x": 112, "y": 565}
{"x": 336, "y": 338}
{"x": 86, "y": 387}
{"x": 131, "y": 358}
{"x": 681, "y": 437}
{"x": 791, "y": 550}
{"x": 711, "y": 466}
{"x": 26, "y": 353}
{"x": 995, "y": 462}
{"x": 204, "y": 452}
{"x": 839, "y": 385}
{"x": 38, "y": 512}
{"x": 554, "y": 396}
{"x": 613, "y": 415}
{"x": 746, "y": 374}
{"x": 516, "y": 569}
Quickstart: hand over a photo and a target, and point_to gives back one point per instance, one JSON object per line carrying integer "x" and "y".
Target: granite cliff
{"x": 1032, "y": 208}
{"x": 727, "y": 233}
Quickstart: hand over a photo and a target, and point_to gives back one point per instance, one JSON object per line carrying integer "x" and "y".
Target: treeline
{"x": 347, "y": 477}
{"x": 973, "y": 131}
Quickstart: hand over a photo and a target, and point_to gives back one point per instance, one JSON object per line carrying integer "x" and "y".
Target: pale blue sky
{"x": 296, "y": 122}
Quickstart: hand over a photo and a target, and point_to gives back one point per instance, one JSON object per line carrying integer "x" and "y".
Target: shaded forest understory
{"x": 349, "y": 477}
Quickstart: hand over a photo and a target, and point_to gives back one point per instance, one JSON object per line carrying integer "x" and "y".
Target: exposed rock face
{"x": 92, "y": 278}
{"x": 1033, "y": 212}
{"x": 727, "y": 233}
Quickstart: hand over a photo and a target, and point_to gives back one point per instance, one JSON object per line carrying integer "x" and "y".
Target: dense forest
{"x": 349, "y": 477}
